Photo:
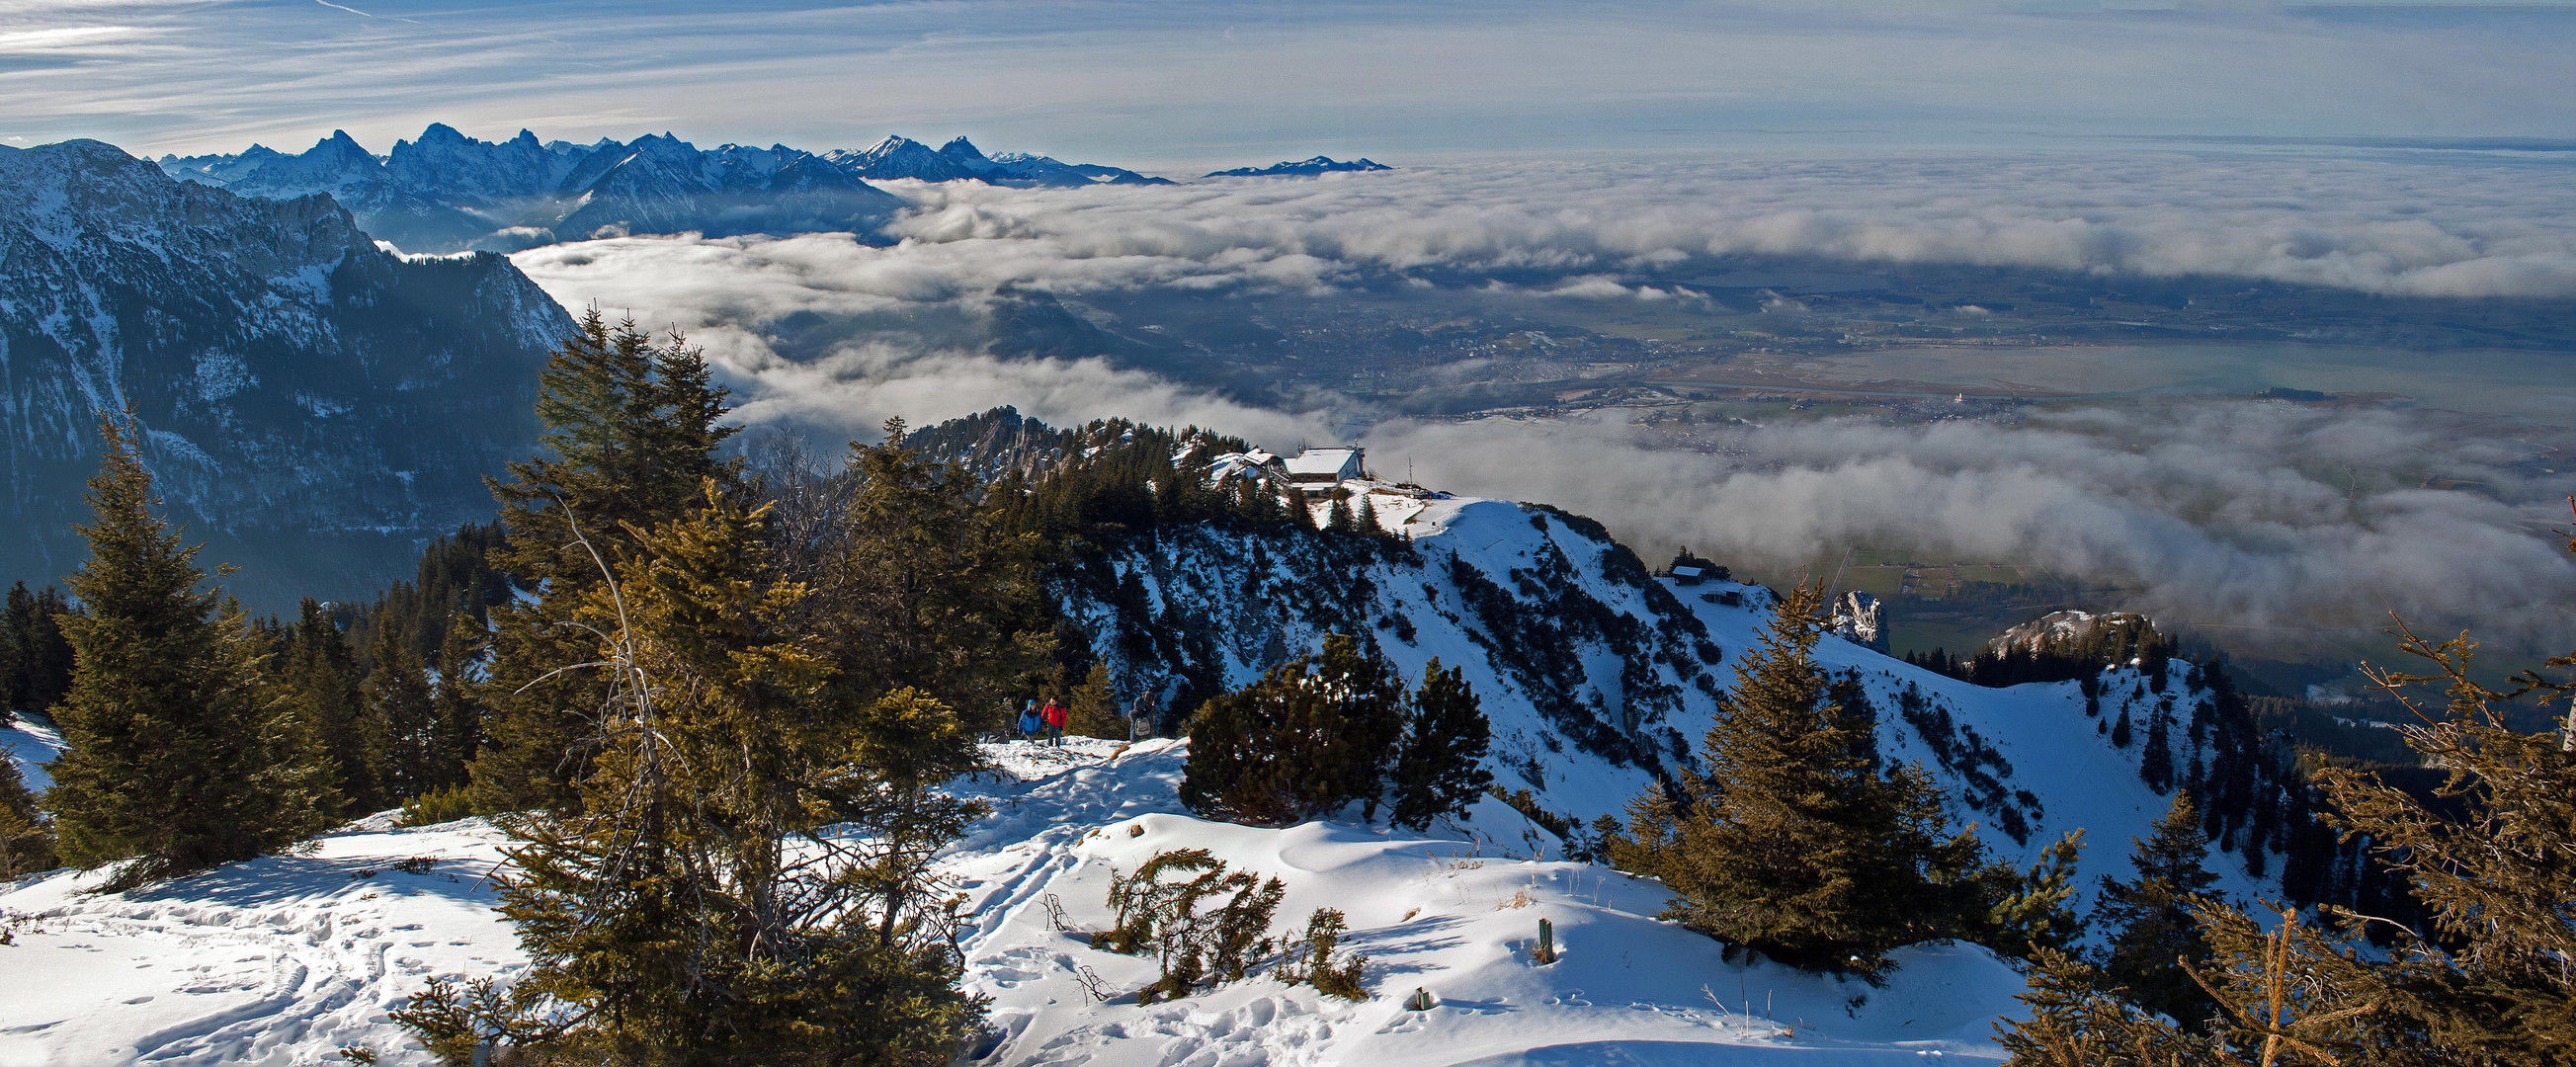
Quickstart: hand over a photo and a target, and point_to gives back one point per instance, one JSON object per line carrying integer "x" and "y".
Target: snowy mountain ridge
{"x": 448, "y": 192}
{"x": 1303, "y": 168}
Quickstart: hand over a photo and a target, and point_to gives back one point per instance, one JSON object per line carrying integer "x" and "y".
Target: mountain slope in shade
{"x": 314, "y": 407}
{"x": 1303, "y": 167}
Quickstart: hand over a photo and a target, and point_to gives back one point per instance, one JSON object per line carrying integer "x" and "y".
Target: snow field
{"x": 282, "y": 959}
{"x": 285, "y": 959}
{"x": 1449, "y": 913}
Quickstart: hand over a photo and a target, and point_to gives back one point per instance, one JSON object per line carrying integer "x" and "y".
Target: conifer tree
{"x": 399, "y": 698}
{"x": 2035, "y": 912}
{"x": 1314, "y": 734}
{"x": 171, "y": 757}
{"x": 631, "y": 433}
{"x": 1369, "y": 702}
{"x": 1442, "y": 768}
{"x": 319, "y": 682}
{"x": 26, "y": 842}
{"x": 35, "y": 661}
{"x": 697, "y": 910}
{"x": 2148, "y": 923}
{"x": 458, "y": 713}
{"x": 1093, "y": 708}
{"x": 2155, "y": 763}
{"x": 927, "y": 588}
{"x": 1793, "y": 845}
{"x": 1340, "y": 520}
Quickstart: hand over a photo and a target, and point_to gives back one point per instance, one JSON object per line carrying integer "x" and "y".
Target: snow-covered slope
{"x": 286, "y": 960}
{"x": 1595, "y": 674}
{"x": 314, "y": 405}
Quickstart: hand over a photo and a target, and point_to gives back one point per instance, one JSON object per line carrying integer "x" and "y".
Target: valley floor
{"x": 287, "y": 959}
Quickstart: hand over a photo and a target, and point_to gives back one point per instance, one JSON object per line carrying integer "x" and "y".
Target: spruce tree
{"x": 1092, "y": 710}
{"x": 1793, "y": 845}
{"x": 631, "y": 433}
{"x": 458, "y": 713}
{"x": 35, "y": 660}
{"x": 2034, "y": 912}
{"x": 2147, "y": 923}
{"x": 1442, "y": 768}
{"x": 2156, "y": 763}
{"x": 1313, "y": 735}
{"x": 171, "y": 757}
{"x": 1339, "y": 519}
{"x": 319, "y": 682}
{"x": 926, "y": 587}
{"x": 747, "y": 883}
{"x": 399, "y": 697}
{"x": 26, "y": 842}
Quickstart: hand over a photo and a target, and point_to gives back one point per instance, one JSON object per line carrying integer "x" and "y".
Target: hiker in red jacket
{"x": 1053, "y": 715}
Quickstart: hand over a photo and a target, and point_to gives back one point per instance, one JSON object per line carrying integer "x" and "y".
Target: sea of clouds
{"x": 2224, "y": 512}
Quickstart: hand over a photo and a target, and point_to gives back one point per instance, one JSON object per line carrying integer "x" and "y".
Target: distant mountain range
{"x": 448, "y": 192}
{"x": 313, "y": 407}
{"x": 1317, "y": 165}
{"x": 959, "y": 160}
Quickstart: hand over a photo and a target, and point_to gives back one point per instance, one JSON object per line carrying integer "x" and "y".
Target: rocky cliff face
{"x": 314, "y": 407}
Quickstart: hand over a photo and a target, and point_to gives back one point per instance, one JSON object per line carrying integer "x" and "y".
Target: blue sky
{"x": 1179, "y": 84}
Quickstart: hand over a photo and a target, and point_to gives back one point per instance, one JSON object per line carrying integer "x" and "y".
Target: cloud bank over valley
{"x": 2224, "y": 512}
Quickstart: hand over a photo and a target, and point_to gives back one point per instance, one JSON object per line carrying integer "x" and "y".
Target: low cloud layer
{"x": 2447, "y": 229}
{"x": 2221, "y": 512}
{"x": 2456, "y": 228}
{"x": 901, "y": 329}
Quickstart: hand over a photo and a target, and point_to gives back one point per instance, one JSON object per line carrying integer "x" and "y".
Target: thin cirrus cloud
{"x": 1181, "y": 85}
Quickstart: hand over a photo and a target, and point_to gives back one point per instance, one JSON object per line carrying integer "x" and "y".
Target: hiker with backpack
{"x": 1030, "y": 723}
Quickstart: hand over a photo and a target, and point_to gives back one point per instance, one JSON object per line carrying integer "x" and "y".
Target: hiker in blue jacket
{"x": 1029, "y": 725}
